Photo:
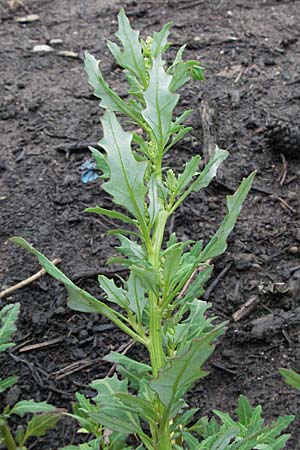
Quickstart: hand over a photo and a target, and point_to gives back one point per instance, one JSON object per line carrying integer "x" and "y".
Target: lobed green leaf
{"x": 187, "y": 175}
{"x": 160, "y": 102}
{"x": 244, "y": 411}
{"x": 210, "y": 170}
{"x": 78, "y": 299}
{"x": 30, "y": 406}
{"x": 111, "y": 414}
{"x": 109, "y": 99}
{"x": 291, "y": 377}
{"x": 40, "y": 424}
{"x": 194, "y": 326}
{"x": 132, "y": 370}
{"x": 8, "y": 317}
{"x": 160, "y": 41}
{"x": 131, "y": 57}
{"x": 131, "y": 249}
{"x": 184, "y": 369}
{"x": 126, "y": 183}
{"x": 218, "y": 243}
{"x": 136, "y": 296}
{"x": 110, "y": 213}
{"x": 138, "y": 405}
{"x": 101, "y": 164}
{"x": 91, "y": 445}
{"x": 7, "y": 383}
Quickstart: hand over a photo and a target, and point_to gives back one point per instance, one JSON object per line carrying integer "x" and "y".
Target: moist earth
{"x": 250, "y": 51}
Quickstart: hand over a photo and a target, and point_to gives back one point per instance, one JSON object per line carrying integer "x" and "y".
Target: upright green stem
{"x": 164, "y": 438}
{"x": 157, "y": 356}
{"x": 155, "y": 336}
{"x": 157, "y": 238}
{"x": 155, "y": 332}
{"x": 8, "y": 437}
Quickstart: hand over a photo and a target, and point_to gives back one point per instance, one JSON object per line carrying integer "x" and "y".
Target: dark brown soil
{"x": 250, "y": 51}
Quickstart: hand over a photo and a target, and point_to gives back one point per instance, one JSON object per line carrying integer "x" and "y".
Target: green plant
{"x": 39, "y": 423}
{"x": 158, "y": 305}
{"x": 291, "y": 377}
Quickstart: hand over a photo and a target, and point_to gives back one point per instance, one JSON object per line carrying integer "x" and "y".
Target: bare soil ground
{"x": 250, "y": 51}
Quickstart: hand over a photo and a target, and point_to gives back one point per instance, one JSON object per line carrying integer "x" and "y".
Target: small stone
{"x": 10, "y": 112}
{"x": 60, "y": 311}
{"x": 213, "y": 206}
{"x": 251, "y": 124}
{"x": 56, "y": 41}
{"x": 12, "y": 395}
{"x": 269, "y": 62}
{"x": 244, "y": 261}
{"x": 68, "y": 54}
{"x": 3, "y": 165}
{"x": 235, "y": 98}
{"x": 292, "y": 196}
{"x": 38, "y": 318}
{"x": 43, "y": 48}
{"x": 79, "y": 353}
{"x": 46, "y": 158}
{"x": 294, "y": 288}
{"x": 293, "y": 250}
{"x": 28, "y": 19}
{"x": 83, "y": 334}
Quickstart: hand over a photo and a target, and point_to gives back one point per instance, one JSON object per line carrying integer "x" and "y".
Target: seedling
{"x": 158, "y": 303}
{"x": 39, "y": 423}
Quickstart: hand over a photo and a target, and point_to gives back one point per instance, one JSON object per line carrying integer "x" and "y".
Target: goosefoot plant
{"x": 39, "y": 423}
{"x": 158, "y": 304}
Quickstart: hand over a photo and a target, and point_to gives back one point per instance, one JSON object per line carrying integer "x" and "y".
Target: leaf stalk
{"x": 7, "y": 436}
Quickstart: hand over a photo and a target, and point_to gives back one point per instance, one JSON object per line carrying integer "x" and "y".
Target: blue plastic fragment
{"x": 89, "y": 171}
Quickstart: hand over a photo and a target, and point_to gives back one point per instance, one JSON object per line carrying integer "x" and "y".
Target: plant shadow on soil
{"x": 249, "y": 51}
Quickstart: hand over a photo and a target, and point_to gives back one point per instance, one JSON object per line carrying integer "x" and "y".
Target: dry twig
{"x": 41, "y": 345}
{"x": 216, "y": 281}
{"x": 74, "y": 367}
{"x": 29, "y": 280}
{"x": 245, "y": 309}
{"x": 283, "y": 174}
{"x": 123, "y": 349}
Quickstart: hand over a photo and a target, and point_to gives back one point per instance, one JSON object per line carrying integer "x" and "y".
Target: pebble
{"x": 39, "y": 318}
{"x": 12, "y": 395}
{"x": 292, "y": 195}
{"x": 42, "y": 48}
{"x": 213, "y": 206}
{"x": 293, "y": 250}
{"x": 256, "y": 199}
{"x": 60, "y": 310}
{"x": 294, "y": 287}
{"x": 235, "y": 98}
{"x": 55, "y": 41}
{"x": 68, "y": 54}
{"x": 83, "y": 334}
{"x": 244, "y": 261}
{"x": 28, "y": 18}
{"x": 270, "y": 61}
{"x": 79, "y": 353}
